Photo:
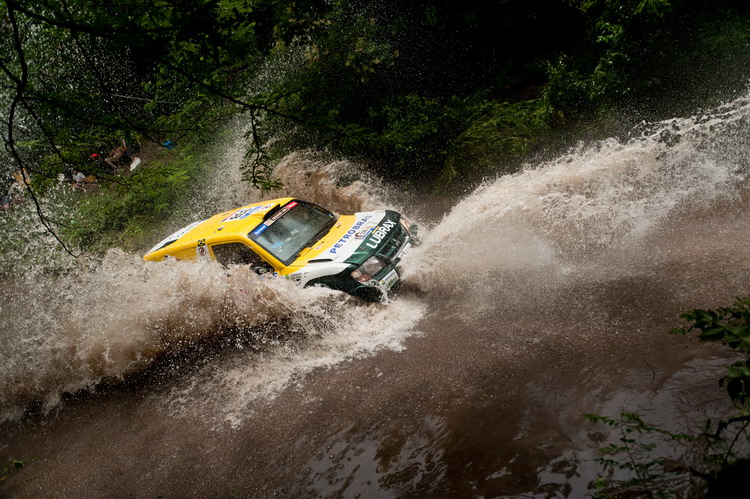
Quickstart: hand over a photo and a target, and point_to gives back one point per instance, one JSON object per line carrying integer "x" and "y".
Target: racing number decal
{"x": 202, "y": 249}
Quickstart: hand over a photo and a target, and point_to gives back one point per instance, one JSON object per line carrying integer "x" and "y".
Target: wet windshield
{"x": 293, "y": 228}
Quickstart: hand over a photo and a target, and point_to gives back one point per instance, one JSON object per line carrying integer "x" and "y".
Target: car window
{"x": 292, "y": 229}
{"x": 239, "y": 253}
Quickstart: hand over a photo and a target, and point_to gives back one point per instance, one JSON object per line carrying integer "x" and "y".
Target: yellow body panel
{"x": 225, "y": 227}
{"x": 337, "y": 231}
{"x": 232, "y": 227}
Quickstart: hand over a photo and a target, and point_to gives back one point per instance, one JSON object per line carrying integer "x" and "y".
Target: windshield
{"x": 293, "y": 228}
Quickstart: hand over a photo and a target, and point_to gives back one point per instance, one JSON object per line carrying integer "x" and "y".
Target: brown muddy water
{"x": 533, "y": 300}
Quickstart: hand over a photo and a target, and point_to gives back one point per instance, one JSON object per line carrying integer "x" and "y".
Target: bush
{"x": 418, "y": 133}
{"x": 495, "y": 140}
{"x": 716, "y": 463}
{"x": 123, "y": 213}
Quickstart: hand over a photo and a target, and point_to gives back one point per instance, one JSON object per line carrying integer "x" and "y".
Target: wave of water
{"x": 551, "y": 224}
{"x": 601, "y": 212}
{"x": 105, "y": 320}
{"x": 590, "y": 213}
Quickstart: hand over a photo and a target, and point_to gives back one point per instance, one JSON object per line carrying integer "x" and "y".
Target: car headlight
{"x": 367, "y": 270}
{"x": 411, "y": 228}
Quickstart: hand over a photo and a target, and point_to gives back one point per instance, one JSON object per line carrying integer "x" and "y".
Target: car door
{"x": 240, "y": 254}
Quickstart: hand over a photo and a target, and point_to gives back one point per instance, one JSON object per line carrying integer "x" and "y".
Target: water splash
{"x": 552, "y": 225}
{"x": 339, "y": 185}
{"x": 599, "y": 200}
{"x": 103, "y": 320}
{"x": 335, "y": 329}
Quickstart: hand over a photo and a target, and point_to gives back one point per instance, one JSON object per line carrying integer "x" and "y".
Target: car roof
{"x": 223, "y": 226}
{"x": 238, "y": 221}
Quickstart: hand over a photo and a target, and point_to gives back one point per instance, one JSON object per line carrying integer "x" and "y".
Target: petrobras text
{"x": 349, "y": 234}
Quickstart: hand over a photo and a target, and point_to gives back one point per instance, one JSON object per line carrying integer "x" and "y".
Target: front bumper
{"x": 390, "y": 251}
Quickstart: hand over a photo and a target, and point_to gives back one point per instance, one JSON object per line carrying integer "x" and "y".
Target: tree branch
{"x": 10, "y": 141}
{"x": 84, "y": 28}
{"x": 241, "y": 103}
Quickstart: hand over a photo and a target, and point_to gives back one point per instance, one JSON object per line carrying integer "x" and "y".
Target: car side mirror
{"x": 261, "y": 268}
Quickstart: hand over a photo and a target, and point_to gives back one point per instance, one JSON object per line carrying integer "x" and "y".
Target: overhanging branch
{"x": 10, "y": 144}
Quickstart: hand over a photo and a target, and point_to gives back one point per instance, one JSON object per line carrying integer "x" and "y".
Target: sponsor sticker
{"x": 246, "y": 212}
{"x": 365, "y": 231}
{"x": 351, "y": 233}
{"x": 379, "y": 233}
{"x": 262, "y": 227}
{"x": 390, "y": 279}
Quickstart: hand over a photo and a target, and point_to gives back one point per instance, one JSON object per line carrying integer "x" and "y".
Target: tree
{"x": 78, "y": 76}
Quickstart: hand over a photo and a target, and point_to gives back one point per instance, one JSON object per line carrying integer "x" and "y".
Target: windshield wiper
{"x": 317, "y": 235}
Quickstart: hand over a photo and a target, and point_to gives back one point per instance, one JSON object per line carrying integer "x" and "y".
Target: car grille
{"x": 394, "y": 245}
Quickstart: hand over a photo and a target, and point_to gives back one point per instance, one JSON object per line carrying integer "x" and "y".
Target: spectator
{"x": 12, "y": 197}
{"x": 116, "y": 156}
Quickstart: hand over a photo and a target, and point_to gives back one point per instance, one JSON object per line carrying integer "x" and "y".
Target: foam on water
{"x": 335, "y": 330}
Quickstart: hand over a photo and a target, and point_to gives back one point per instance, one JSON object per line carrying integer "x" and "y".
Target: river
{"x": 532, "y": 300}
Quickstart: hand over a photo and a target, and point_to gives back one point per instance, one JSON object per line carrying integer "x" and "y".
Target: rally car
{"x": 357, "y": 254}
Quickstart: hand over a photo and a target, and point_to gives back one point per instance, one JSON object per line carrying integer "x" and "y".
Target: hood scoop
{"x": 320, "y": 260}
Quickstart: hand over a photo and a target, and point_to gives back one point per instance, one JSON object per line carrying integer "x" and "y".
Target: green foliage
{"x": 367, "y": 64}
{"x": 634, "y": 454}
{"x": 106, "y": 215}
{"x": 170, "y": 71}
{"x": 497, "y": 136}
{"x": 382, "y": 81}
{"x": 427, "y": 92}
{"x": 124, "y": 213}
{"x": 619, "y": 34}
{"x": 257, "y": 167}
{"x": 418, "y": 133}
{"x": 731, "y": 327}
{"x": 567, "y": 93}
{"x": 439, "y": 140}
{"x": 649, "y": 52}
{"x": 13, "y": 465}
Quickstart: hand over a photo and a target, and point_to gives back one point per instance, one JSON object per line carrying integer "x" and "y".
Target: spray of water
{"x": 552, "y": 224}
{"x": 588, "y": 217}
{"x": 556, "y": 221}
{"x": 105, "y": 320}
